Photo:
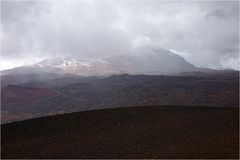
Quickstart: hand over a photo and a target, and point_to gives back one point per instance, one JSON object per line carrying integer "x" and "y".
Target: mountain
{"x": 141, "y": 78}
{"x": 151, "y": 62}
{"x": 144, "y": 61}
{"x": 31, "y": 69}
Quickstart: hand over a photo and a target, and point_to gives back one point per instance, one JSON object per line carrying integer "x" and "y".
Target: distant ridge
{"x": 145, "y": 61}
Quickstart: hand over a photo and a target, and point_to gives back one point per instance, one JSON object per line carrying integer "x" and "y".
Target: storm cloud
{"x": 205, "y": 33}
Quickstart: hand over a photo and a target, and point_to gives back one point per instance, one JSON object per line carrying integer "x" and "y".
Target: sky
{"x": 205, "y": 33}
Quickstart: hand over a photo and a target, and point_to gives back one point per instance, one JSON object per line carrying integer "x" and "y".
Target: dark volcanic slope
{"x": 17, "y": 94}
{"x": 139, "y": 132}
{"x": 81, "y": 94}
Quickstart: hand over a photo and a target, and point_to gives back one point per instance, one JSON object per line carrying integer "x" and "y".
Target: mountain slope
{"x": 152, "y": 61}
{"x": 127, "y": 90}
{"x": 144, "y": 61}
{"x": 15, "y": 79}
{"x": 166, "y": 132}
{"x": 13, "y": 94}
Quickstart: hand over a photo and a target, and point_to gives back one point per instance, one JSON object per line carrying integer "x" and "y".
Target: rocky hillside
{"x": 124, "y": 90}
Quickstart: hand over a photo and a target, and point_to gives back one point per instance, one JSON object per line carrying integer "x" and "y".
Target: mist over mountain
{"x": 148, "y": 61}
{"x": 205, "y": 34}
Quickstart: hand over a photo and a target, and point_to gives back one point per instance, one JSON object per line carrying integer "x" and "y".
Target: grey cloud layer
{"x": 205, "y": 33}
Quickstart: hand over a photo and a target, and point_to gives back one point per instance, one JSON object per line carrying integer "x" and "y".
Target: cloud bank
{"x": 205, "y": 33}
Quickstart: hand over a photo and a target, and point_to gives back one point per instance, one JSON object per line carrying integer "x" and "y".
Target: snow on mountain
{"x": 143, "y": 61}
{"x": 63, "y": 63}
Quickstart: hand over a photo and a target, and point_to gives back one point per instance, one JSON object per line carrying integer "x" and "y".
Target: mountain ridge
{"x": 148, "y": 61}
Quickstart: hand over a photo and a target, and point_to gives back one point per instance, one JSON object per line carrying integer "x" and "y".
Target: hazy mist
{"x": 205, "y": 33}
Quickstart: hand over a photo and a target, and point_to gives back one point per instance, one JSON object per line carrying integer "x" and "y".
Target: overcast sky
{"x": 205, "y": 33}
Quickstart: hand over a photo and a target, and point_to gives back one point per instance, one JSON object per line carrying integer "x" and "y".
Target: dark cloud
{"x": 205, "y": 33}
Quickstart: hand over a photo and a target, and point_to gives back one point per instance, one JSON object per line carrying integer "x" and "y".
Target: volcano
{"x": 144, "y": 61}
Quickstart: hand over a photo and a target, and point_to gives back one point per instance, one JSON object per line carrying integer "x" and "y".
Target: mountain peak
{"x": 145, "y": 61}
